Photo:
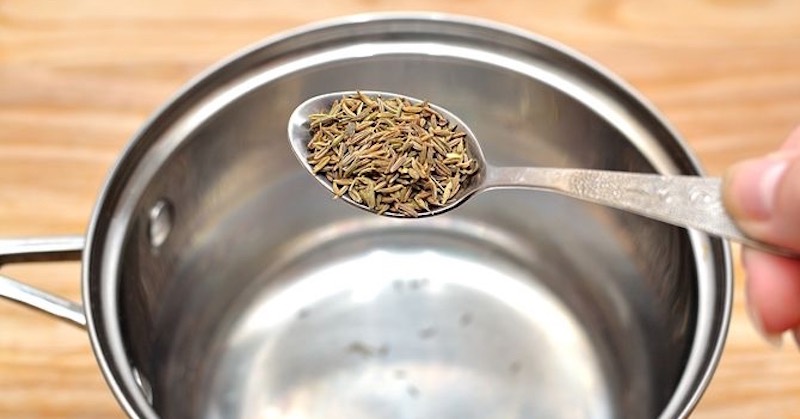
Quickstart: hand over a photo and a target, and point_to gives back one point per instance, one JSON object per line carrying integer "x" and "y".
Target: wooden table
{"x": 78, "y": 77}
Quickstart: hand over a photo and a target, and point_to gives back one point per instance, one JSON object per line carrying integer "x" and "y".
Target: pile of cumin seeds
{"x": 390, "y": 155}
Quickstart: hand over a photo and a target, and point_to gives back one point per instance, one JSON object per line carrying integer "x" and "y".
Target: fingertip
{"x": 762, "y": 196}
{"x": 773, "y": 292}
{"x": 749, "y": 189}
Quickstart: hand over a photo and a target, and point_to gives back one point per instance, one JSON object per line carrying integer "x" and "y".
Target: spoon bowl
{"x": 686, "y": 201}
{"x": 299, "y": 136}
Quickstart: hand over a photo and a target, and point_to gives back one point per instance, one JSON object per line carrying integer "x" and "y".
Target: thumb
{"x": 763, "y": 197}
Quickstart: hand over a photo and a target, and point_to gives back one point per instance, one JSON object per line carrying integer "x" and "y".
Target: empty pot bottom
{"x": 401, "y": 323}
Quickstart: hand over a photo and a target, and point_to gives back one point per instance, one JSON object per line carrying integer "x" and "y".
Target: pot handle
{"x": 41, "y": 249}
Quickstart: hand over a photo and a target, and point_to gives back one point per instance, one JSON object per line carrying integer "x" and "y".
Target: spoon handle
{"x": 686, "y": 201}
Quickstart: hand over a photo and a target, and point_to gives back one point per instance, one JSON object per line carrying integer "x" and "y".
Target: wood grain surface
{"x": 78, "y": 77}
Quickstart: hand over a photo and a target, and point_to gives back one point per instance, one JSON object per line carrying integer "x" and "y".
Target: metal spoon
{"x": 686, "y": 201}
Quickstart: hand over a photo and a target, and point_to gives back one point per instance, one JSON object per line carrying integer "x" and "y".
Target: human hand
{"x": 763, "y": 197}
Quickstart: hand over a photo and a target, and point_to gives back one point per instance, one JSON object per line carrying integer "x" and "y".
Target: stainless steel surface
{"x": 41, "y": 249}
{"x": 686, "y": 201}
{"x": 159, "y": 223}
{"x": 269, "y": 299}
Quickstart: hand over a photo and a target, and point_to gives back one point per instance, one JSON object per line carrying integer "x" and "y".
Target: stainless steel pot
{"x": 220, "y": 281}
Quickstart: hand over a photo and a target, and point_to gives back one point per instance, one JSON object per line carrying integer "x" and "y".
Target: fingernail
{"x": 774, "y": 340}
{"x": 754, "y": 184}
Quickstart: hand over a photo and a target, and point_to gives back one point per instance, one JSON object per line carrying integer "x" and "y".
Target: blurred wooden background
{"x": 78, "y": 77}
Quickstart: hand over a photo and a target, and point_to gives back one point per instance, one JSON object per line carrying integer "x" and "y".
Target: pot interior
{"x": 252, "y": 293}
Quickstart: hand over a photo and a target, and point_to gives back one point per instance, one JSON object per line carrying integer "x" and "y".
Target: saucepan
{"x": 219, "y": 280}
